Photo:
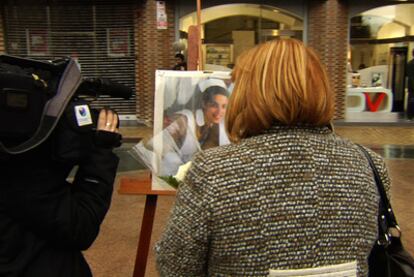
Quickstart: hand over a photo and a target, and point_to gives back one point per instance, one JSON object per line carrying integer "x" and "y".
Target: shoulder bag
{"x": 388, "y": 258}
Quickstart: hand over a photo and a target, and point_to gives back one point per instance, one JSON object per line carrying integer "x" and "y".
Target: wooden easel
{"x": 141, "y": 185}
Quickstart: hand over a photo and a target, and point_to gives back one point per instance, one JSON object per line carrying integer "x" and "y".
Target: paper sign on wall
{"x": 162, "y": 23}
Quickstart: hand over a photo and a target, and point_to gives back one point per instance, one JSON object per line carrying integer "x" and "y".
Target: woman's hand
{"x": 108, "y": 121}
{"x": 107, "y": 135}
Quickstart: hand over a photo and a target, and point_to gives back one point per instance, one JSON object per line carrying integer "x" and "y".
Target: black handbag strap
{"x": 386, "y": 217}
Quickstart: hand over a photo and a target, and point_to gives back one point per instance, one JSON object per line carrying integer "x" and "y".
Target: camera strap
{"x": 52, "y": 111}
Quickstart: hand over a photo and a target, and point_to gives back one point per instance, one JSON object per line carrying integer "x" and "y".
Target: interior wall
{"x": 251, "y": 10}
{"x": 405, "y": 15}
{"x": 378, "y": 54}
{"x": 357, "y": 6}
{"x": 295, "y": 7}
{"x": 381, "y": 52}
{"x": 243, "y": 40}
{"x": 391, "y": 30}
{"x": 362, "y": 54}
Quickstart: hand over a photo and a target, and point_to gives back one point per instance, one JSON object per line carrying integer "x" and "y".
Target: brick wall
{"x": 153, "y": 50}
{"x": 328, "y": 35}
{"x": 2, "y": 42}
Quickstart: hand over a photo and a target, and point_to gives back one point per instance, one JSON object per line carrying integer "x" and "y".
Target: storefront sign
{"x": 37, "y": 44}
{"x": 162, "y": 23}
{"x": 117, "y": 42}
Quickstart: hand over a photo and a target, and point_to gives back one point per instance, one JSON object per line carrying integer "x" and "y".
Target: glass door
{"x": 398, "y": 61}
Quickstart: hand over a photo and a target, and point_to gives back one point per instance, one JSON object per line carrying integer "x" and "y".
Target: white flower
{"x": 182, "y": 171}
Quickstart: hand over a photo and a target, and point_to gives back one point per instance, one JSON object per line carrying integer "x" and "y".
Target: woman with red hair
{"x": 288, "y": 193}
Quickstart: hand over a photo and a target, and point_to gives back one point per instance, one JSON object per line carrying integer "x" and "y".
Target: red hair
{"x": 278, "y": 81}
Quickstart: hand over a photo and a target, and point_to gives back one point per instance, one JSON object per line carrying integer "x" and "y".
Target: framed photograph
{"x": 377, "y": 79}
{"x": 189, "y": 110}
{"x": 37, "y": 42}
{"x": 117, "y": 42}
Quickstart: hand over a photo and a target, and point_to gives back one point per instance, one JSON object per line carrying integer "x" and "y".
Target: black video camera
{"x": 39, "y": 99}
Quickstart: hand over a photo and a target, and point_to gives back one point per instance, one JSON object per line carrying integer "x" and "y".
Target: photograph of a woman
{"x": 201, "y": 127}
{"x": 288, "y": 194}
{"x": 193, "y": 120}
{"x": 205, "y": 120}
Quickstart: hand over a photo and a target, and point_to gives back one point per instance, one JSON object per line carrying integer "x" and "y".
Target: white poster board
{"x": 189, "y": 109}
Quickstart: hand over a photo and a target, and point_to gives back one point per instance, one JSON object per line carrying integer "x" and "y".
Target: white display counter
{"x": 371, "y": 99}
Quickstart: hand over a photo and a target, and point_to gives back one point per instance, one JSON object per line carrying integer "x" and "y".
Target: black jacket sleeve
{"x": 63, "y": 214}
{"x": 90, "y": 197}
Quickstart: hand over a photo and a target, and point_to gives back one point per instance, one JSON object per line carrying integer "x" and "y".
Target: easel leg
{"x": 145, "y": 236}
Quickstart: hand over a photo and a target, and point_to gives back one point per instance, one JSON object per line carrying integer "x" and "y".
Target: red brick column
{"x": 153, "y": 50}
{"x": 328, "y": 30}
{"x": 2, "y": 42}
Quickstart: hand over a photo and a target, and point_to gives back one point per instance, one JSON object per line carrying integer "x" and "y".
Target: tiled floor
{"x": 113, "y": 254}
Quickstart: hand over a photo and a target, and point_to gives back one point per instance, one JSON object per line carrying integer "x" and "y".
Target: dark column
{"x": 328, "y": 30}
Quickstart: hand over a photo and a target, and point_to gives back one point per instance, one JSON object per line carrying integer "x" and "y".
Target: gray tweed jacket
{"x": 294, "y": 197}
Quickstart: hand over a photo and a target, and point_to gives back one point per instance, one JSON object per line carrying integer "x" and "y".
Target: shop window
{"x": 228, "y": 30}
{"x": 380, "y": 42}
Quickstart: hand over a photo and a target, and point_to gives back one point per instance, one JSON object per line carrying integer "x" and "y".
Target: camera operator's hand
{"x": 107, "y": 130}
{"x": 108, "y": 121}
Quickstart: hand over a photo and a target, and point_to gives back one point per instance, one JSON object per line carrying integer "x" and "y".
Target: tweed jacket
{"x": 293, "y": 197}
